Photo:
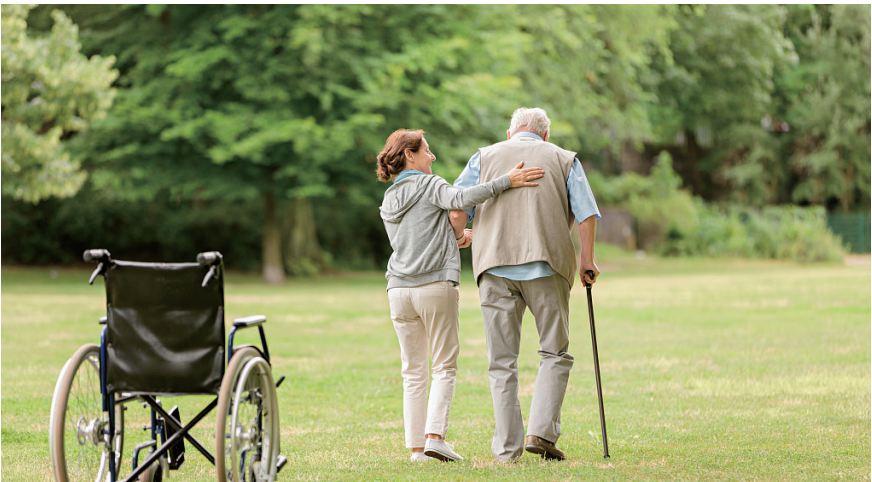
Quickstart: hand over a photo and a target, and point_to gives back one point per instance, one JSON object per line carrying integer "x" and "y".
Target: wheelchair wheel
{"x": 247, "y": 432}
{"x": 80, "y": 450}
{"x": 157, "y": 472}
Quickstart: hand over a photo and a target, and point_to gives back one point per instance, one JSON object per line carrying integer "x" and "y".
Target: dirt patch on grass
{"x": 858, "y": 260}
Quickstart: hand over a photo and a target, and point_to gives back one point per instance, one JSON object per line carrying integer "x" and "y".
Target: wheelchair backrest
{"x": 165, "y": 332}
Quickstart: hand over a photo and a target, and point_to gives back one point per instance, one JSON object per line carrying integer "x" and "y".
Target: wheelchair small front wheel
{"x": 79, "y": 445}
{"x": 247, "y": 431}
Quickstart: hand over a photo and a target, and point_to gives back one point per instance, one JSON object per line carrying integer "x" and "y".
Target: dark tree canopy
{"x": 277, "y": 111}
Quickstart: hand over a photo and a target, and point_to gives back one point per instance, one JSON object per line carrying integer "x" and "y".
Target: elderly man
{"x": 523, "y": 256}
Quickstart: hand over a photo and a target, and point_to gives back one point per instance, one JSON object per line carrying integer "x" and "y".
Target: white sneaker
{"x": 442, "y": 450}
{"x": 420, "y": 457}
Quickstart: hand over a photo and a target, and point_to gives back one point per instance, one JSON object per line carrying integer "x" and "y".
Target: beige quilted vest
{"x": 525, "y": 224}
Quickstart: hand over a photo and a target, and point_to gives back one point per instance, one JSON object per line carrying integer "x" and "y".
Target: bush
{"x": 672, "y": 222}
{"x": 657, "y": 203}
{"x": 58, "y": 231}
{"x": 775, "y": 232}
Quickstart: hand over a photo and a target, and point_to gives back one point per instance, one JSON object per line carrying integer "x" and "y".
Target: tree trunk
{"x": 302, "y": 254}
{"x": 273, "y": 271}
{"x": 692, "y": 177}
{"x": 633, "y": 161}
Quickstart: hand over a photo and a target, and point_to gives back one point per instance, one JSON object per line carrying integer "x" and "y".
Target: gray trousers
{"x": 503, "y": 302}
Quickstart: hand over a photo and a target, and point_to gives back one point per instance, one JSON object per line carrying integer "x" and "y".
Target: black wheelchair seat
{"x": 165, "y": 330}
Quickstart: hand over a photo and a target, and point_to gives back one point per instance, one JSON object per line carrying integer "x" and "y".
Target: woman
{"x": 423, "y": 274}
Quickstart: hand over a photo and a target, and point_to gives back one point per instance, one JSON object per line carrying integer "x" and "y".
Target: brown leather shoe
{"x": 544, "y": 448}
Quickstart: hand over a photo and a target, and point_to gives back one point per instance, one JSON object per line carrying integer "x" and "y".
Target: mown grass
{"x": 712, "y": 370}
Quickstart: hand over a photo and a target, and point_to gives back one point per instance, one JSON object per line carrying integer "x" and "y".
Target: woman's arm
{"x": 447, "y": 197}
{"x": 457, "y": 224}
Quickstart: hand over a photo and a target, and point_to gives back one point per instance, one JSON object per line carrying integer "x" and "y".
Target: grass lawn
{"x": 712, "y": 370}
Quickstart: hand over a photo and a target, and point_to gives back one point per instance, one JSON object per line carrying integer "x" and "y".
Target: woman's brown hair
{"x": 392, "y": 158}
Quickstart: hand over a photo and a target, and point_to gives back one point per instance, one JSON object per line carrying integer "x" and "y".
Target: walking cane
{"x": 599, "y": 388}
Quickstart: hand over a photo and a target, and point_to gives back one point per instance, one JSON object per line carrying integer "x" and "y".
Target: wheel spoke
{"x": 84, "y": 409}
{"x": 80, "y": 447}
{"x": 248, "y": 429}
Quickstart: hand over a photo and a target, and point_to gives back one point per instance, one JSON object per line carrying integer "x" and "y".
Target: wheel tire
{"x": 155, "y": 473}
{"x": 148, "y": 475}
{"x": 247, "y": 408}
{"x": 77, "y": 453}
{"x": 119, "y": 436}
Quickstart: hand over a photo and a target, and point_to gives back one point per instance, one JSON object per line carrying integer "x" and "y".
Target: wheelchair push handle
{"x": 102, "y": 257}
{"x": 209, "y": 258}
{"x": 212, "y": 259}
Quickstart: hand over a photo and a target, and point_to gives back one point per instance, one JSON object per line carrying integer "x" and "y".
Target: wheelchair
{"x": 163, "y": 335}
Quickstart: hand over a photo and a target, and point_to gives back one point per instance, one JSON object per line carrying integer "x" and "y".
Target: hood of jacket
{"x": 400, "y": 197}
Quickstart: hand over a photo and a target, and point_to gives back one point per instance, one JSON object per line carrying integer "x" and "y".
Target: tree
{"x": 286, "y": 104}
{"x": 588, "y": 66}
{"x": 829, "y": 150}
{"x": 811, "y": 145}
{"x": 720, "y": 78}
{"x": 50, "y": 91}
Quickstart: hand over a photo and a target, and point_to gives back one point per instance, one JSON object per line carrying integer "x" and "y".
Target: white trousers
{"x": 426, "y": 317}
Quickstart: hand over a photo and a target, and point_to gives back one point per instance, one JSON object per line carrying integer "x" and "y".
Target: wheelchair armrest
{"x": 249, "y": 321}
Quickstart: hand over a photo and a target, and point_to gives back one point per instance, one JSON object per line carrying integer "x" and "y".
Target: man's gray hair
{"x": 535, "y": 120}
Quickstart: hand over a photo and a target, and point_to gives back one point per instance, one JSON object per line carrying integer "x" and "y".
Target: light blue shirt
{"x": 407, "y": 173}
{"x": 581, "y": 203}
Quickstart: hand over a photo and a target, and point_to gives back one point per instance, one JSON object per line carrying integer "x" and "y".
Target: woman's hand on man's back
{"x": 522, "y": 177}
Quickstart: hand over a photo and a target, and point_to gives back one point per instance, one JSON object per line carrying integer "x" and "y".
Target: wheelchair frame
{"x": 166, "y": 425}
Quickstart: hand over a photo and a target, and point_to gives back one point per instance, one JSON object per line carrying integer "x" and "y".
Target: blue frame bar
{"x": 230, "y": 348}
{"x": 108, "y": 403}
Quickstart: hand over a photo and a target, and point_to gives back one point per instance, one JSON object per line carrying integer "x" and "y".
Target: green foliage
{"x": 174, "y": 229}
{"x": 721, "y": 67}
{"x": 721, "y": 70}
{"x": 831, "y": 149}
{"x": 586, "y": 65}
{"x": 823, "y": 157}
{"x": 240, "y": 102}
{"x": 293, "y": 99}
{"x": 50, "y": 91}
{"x": 771, "y": 103}
{"x": 229, "y": 105}
{"x": 350, "y": 237}
{"x": 672, "y": 222}
{"x": 784, "y": 233}
{"x": 657, "y": 202}
{"x": 751, "y": 163}
{"x": 57, "y": 232}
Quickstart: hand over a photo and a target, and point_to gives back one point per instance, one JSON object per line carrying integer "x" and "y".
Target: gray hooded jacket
{"x": 415, "y": 213}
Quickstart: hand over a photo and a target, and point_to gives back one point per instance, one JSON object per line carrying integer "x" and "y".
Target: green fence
{"x": 853, "y": 228}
